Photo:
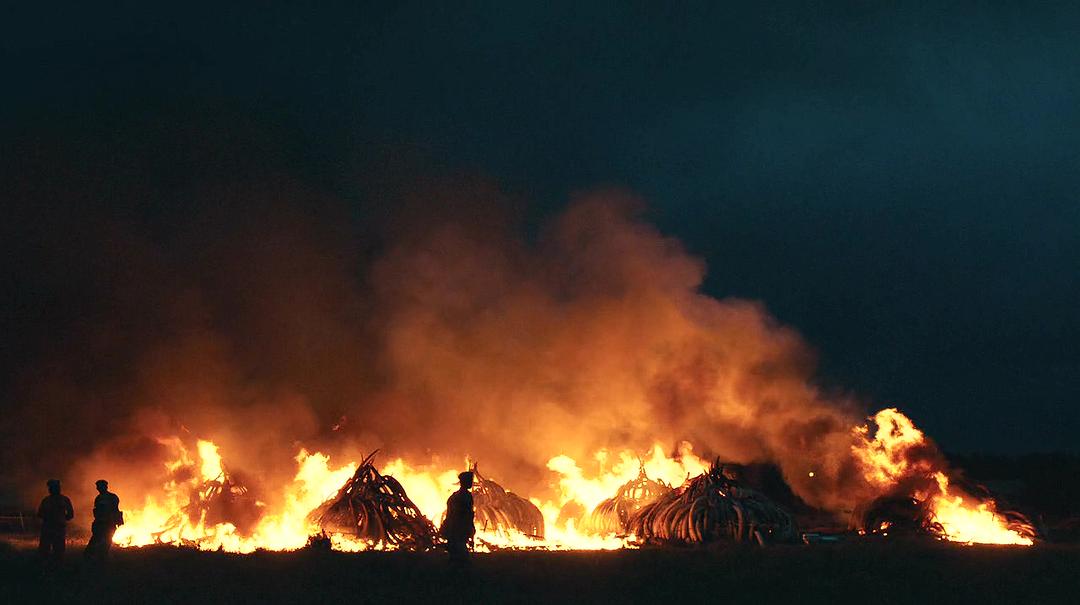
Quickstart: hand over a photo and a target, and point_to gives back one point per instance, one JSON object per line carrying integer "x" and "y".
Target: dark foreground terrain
{"x": 853, "y": 572}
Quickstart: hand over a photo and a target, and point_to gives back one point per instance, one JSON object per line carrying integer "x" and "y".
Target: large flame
{"x": 897, "y": 455}
{"x": 166, "y": 517}
{"x": 891, "y": 456}
{"x": 963, "y": 519}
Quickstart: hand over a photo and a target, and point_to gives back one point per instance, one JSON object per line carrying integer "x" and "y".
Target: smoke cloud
{"x": 276, "y": 322}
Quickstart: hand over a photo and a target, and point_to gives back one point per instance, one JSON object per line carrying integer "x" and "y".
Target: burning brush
{"x": 497, "y": 510}
{"x": 712, "y": 507}
{"x": 612, "y": 516}
{"x": 375, "y": 508}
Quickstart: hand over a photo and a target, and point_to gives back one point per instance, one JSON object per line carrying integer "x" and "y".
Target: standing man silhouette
{"x": 458, "y": 528}
{"x": 55, "y": 511}
{"x": 107, "y": 517}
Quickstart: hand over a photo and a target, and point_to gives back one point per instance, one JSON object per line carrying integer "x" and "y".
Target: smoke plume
{"x": 275, "y": 322}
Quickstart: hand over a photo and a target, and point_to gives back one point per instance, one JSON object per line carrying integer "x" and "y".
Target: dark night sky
{"x": 900, "y": 185}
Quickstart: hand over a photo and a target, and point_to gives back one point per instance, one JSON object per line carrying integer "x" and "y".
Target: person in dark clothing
{"x": 107, "y": 517}
{"x": 458, "y": 528}
{"x": 55, "y": 511}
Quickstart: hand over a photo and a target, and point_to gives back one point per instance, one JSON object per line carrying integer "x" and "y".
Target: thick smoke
{"x": 272, "y": 324}
{"x": 595, "y": 335}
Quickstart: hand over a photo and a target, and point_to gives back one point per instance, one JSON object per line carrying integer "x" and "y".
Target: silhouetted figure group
{"x": 55, "y": 511}
{"x": 458, "y": 528}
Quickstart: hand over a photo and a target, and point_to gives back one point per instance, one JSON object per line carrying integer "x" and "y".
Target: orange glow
{"x": 892, "y": 456}
{"x": 168, "y": 518}
{"x": 210, "y": 461}
{"x": 963, "y": 520}
{"x": 885, "y": 457}
{"x": 889, "y": 459}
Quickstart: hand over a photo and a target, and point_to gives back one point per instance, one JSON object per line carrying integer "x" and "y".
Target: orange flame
{"x": 167, "y": 518}
{"x": 889, "y": 459}
{"x": 896, "y": 454}
{"x": 962, "y": 520}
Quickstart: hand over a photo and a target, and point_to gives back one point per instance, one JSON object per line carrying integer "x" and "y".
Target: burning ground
{"x": 230, "y": 378}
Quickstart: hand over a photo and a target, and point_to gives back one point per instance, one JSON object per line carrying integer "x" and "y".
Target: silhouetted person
{"x": 107, "y": 518}
{"x": 458, "y": 529}
{"x": 55, "y": 511}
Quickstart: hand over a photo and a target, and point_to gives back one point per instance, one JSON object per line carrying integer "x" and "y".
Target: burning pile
{"x": 375, "y": 509}
{"x": 904, "y": 466}
{"x": 934, "y": 512}
{"x": 500, "y": 511}
{"x": 612, "y": 516}
{"x": 712, "y": 507}
{"x": 224, "y": 500}
{"x": 204, "y": 505}
{"x": 591, "y": 332}
{"x": 894, "y": 514}
{"x": 904, "y": 486}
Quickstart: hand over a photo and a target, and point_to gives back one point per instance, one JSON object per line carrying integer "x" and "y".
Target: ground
{"x": 868, "y": 573}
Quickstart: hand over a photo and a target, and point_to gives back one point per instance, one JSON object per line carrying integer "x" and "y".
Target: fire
{"x": 430, "y": 486}
{"x": 974, "y": 522}
{"x": 886, "y": 457}
{"x": 891, "y": 458}
{"x": 577, "y": 486}
{"x": 210, "y": 460}
{"x": 188, "y": 508}
{"x": 169, "y": 517}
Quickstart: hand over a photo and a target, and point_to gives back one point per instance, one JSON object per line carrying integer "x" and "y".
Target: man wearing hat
{"x": 107, "y": 517}
{"x": 55, "y": 511}
{"x": 458, "y": 528}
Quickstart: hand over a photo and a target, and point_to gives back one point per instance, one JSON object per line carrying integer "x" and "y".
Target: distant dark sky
{"x": 901, "y": 185}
